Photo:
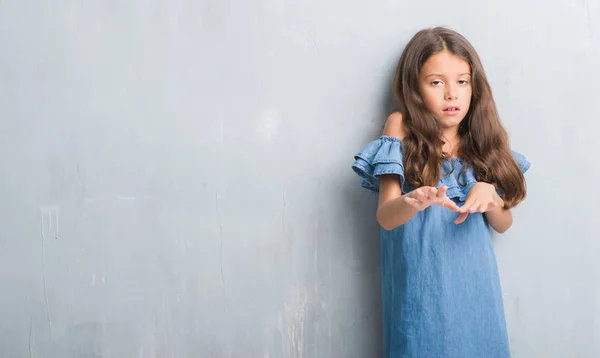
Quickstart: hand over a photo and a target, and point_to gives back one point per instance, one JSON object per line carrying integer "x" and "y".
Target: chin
{"x": 450, "y": 122}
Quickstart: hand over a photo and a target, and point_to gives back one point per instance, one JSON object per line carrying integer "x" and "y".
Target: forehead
{"x": 445, "y": 63}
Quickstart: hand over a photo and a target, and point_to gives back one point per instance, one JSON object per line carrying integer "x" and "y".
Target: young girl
{"x": 444, "y": 172}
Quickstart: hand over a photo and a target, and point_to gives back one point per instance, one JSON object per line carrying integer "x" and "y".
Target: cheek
{"x": 430, "y": 98}
{"x": 466, "y": 95}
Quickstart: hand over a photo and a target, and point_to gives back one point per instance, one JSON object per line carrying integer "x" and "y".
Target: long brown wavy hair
{"x": 484, "y": 143}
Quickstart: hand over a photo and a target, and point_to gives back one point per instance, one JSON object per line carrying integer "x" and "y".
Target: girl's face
{"x": 445, "y": 84}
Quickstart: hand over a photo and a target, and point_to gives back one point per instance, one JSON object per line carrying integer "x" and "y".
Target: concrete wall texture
{"x": 176, "y": 174}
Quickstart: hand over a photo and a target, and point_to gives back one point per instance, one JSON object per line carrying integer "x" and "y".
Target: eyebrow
{"x": 439, "y": 75}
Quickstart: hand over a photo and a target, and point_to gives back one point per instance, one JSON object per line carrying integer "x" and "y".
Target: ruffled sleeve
{"x": 381, "y": 156}
{"x": 522, "y": 161}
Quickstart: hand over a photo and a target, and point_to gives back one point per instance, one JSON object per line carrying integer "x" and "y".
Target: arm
{"x": 500, "y": 219}
{"x": 483, "y": 198}
{"x": 395, "y": 209}
{"x": 392, "y": 209}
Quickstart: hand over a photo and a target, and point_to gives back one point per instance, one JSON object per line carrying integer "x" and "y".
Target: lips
{"x": 451, "y": 109}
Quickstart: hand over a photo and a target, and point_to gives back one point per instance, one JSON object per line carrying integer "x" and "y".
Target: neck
{"x": 451, "y": 141}
{"x": 450, "y": 134}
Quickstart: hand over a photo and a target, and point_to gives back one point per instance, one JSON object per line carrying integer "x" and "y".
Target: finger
{"x": 483, "y": 207}
{"x": 419, "y": 195}
{"x": 465, "y": 208}
{"x": 474, "y": 207}
{"x": 442, "y": 191}
{"x": 467, "y": 205}
{"x": 492, "y": 205}
{"x": 432, "y": 193}
{"x": 461, "y": 218}
{"x": 451, "y": 205}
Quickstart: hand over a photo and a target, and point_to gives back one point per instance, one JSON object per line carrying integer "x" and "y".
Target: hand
{"x": 423, "y": 197}
{"x": 481, "y": 198}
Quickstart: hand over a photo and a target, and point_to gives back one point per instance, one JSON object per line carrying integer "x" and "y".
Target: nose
{"x": 450, "y": 93}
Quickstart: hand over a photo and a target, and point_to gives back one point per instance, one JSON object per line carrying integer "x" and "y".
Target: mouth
{"x": 451, "y": 110}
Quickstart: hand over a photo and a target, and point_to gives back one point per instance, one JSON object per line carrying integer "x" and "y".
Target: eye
{"x": 463, "y": 82}
{"x": 436, "y": 83}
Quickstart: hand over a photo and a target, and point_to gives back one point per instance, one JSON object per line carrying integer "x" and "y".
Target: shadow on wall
{"x": 361, "y": 206}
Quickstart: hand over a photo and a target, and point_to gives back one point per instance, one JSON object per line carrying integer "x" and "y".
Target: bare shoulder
{"x": 394, "y": 126}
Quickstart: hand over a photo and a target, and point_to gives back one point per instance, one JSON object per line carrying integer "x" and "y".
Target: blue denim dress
{"x": 441, "y": 288}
